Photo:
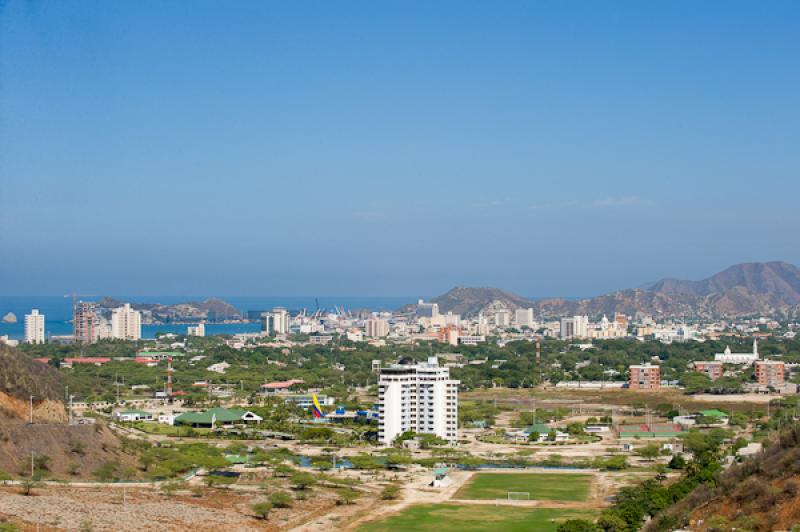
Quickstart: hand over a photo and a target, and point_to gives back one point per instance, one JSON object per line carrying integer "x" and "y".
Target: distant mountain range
{"x": 761, "y": 288}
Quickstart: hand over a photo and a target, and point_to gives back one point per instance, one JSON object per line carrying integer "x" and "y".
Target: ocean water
{"x": 58, "y": 310}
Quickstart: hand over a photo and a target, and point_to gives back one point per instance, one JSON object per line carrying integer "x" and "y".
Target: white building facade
{"x": 524, "y": 318}
{"x": 417, "y": 397}
{"x": 275, "y": 322}
{"x": 34, "y": 327}
{"x": 126, "y": 323}
{"x": 575, "y": 327}
{"x": 727, "y": 357}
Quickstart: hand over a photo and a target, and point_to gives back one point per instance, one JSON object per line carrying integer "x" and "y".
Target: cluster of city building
{"x": 89, "y": 325}
{"x": 769, "y": 374}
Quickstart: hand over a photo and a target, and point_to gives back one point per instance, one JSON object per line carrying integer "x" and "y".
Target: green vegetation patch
{"x": 541, "y": 486}
{"x": 444, "y": 517}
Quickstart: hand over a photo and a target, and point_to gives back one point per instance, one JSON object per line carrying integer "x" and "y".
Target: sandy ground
{"x": 70, "y": 509}
{"x": 736, "y": 398}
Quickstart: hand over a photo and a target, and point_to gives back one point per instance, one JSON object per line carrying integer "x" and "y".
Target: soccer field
{"x": 466, "y": 518}
{"x": 541, "y": 486}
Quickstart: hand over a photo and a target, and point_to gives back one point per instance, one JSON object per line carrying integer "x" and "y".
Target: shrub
{"x": 577, "y": 525}
{"x": 280, "y": 499}
{"x": 390, "y": 492}
{"x": 302, "y": 481}
{"x": 347, "y": 496}
{"x": 262, "y": 509}
{"x": 751, "y": 489}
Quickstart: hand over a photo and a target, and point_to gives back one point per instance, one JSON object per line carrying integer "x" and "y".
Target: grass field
{"x": 541, "y": 486}
{"x": 464, "y": 518}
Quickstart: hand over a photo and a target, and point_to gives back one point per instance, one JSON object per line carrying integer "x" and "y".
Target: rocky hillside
{"x": 21, "y": 377}
{"x": 471, "y": 301}
{"x": 67, "y": 451}
{"x": 760, "y": 494}
{"x": 189, "y": 311}
{"x": 754, "y": 289}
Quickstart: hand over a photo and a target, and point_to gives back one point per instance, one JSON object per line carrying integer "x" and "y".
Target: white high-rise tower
{"x": 126, "y": 323}
{"x": 417, "y": 397}
{"x": 34, "y": 327}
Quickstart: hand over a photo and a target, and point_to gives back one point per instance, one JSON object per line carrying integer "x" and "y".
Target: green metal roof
{"x": 541, "y": 428}
{"x": 713, "y": 413}
{"x": 220, "y": 415}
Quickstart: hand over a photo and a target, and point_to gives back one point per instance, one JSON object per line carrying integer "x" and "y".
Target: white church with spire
{"x": 738, "y": 358}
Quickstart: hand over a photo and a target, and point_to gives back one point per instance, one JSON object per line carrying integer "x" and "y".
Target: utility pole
{"x": 31, "y": 409}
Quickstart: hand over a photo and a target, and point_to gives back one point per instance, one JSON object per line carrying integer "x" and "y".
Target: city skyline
{"x": 374, "y": 150}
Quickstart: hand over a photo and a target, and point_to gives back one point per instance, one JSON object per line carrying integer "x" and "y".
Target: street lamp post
{"x": 31, "y": 409}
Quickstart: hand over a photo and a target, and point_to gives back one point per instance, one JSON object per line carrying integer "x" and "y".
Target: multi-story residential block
{"x": 621, "y": 321}
{"x": 427, "y": 310}
{"x": 34, "y": 327}
{"x": 417, "y": 397}
{"x": 126, "y": 323}
{"x": 574, "y": 327}
{"x": 712, "y": 369}
{"x": 85, "y": 323}
{"x": 471, "y": 339}
{"x": 196, "y": 330}
{"x": 275, "y": 322}
{"x": 502, "y": 318}
{"x": 523, "y": 317}
{"x": 770, "y": 373}
{"x": 645, "y": 377}
{"x": 377, "y": 327}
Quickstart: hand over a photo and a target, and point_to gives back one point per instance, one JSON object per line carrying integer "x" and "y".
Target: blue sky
{"x": 393, "y": 148}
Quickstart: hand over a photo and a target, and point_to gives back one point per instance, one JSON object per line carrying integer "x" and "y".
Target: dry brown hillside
{"x": 64, "y": 451}
{"x": 21, "y": 377}
{"x": 761, "y": 494}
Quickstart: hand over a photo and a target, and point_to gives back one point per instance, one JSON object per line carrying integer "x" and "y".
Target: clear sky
{"x": 394, "y": 148}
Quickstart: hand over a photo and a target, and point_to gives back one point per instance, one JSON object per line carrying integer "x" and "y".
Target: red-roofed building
{"x": 42, "y": 360}
{"x": 280, "y": 386}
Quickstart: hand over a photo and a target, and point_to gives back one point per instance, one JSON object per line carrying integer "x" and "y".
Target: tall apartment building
{"x": 575, "y": 327}
{"x": 417, "y": 397}
{"x": 523, "y": 317}
{"x": 645, "y": 377}
{"x": 770, "y": 373}
{"x": 427, "y": 310}
{"x": 126, "y": 323}
{"x": 34, "y": 327}
{"x": 712, "y": 369}
{"x": 85, "y": 323}
{"x": 377, "y": 327}
{"x": 196, "y": 330}
{"x": 275, "y": 322}
{"x": 621, "y": 321}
